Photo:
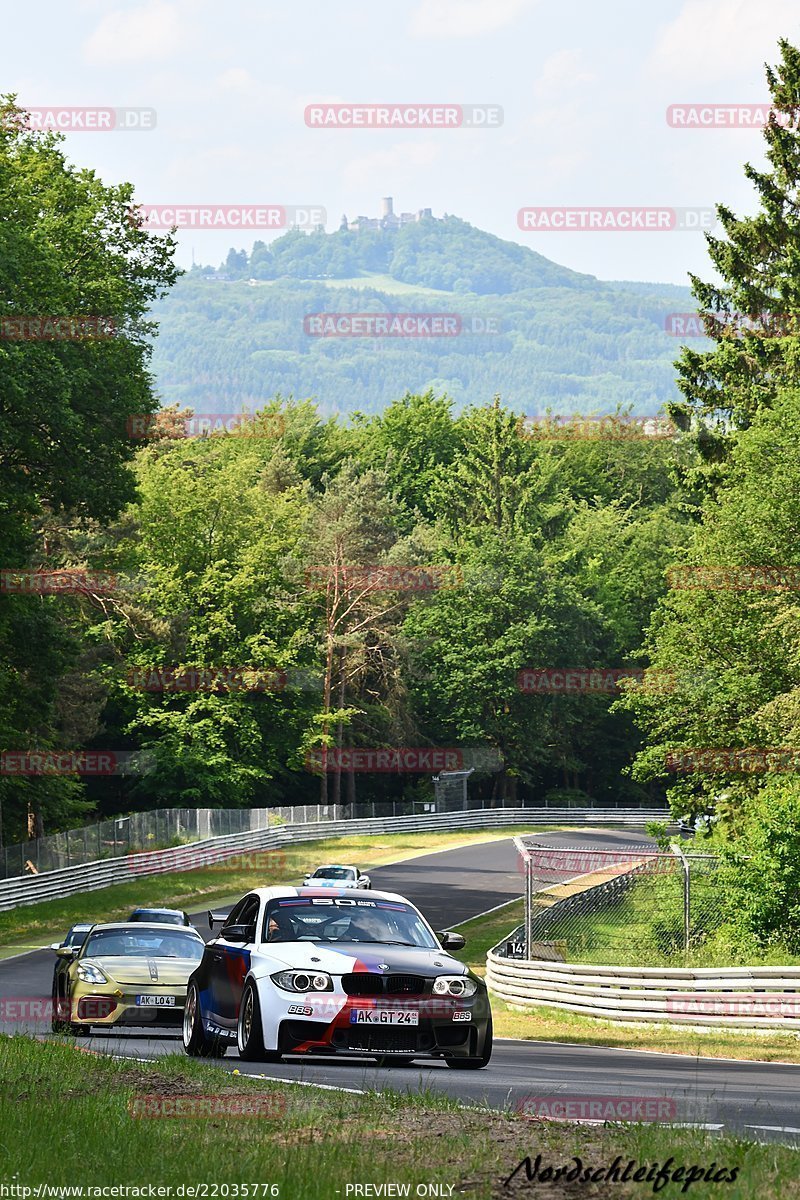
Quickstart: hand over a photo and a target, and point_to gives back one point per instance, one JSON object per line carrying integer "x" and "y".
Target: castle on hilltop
{"x": 388, "y": 219}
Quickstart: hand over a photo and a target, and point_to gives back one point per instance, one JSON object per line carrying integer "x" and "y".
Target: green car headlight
{"x": 88, "y": 973}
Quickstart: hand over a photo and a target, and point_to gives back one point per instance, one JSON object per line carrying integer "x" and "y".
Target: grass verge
{"x": 69, "y": 1121}
{"x": 541, "y": 1023}
{"x": 38, "y": 924}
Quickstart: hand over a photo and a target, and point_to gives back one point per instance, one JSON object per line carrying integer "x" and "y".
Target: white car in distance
{"x": 334, "y": 875}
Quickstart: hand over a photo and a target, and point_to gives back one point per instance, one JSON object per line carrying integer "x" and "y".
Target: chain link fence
{"x": 164, "y": 827}
{"x": 632, "y": 907}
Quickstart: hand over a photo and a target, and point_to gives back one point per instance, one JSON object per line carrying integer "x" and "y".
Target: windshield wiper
{"x": 383, "y": 942}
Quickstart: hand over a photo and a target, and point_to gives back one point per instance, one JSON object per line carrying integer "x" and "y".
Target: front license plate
{"x": 383, "y": 1016}
{"x": 156, "y": 1001}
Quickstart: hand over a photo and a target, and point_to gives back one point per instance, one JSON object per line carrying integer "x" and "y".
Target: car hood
{"x": 340, "y": 958}
{"x": 166, "y": 972}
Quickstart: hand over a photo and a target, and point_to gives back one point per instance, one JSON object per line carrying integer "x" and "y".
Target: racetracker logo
{"x": 57, "y": 328}
{"x": 599, "y": 1108}
{"x": 730, "y": 116}
{"x": 86, "y": 120}
{"x": 270, "y": 1105}
{"x": 556, "y": 864}
{"x": 739, "y": 1004}
{"x": 730, "y": 325}
{"x": 206, "y": 679}
{"x": 254, "y": 425}
{"x": 187, "y": 858}
{"x": 409, "y": 759}
{"x": 385, "y": 579}
{"x": 75, "y": 762}
{"x": 735, "y": 579}
{"x": 227, "y": 216}
{"x": 398, "y": 325}
{"x": 737, "y": 760}
{"x": 403, "y": 116}
{"x": 565, "y": 680}
{"x": 52, "y": 583}
{"x": 616, "y": 220}
{"x": 555, "y": 427}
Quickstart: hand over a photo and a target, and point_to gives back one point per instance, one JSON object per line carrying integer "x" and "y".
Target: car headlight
{"x": 454, "y": 985}
{"x": 303, "y": 981}
{"x": 91, "y": 974}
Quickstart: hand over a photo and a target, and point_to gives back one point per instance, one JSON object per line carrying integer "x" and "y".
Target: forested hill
{"x": 540, "y": 334}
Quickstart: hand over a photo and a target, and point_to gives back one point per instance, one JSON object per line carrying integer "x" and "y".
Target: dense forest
{"x": 252, "y": 604}
{"x": 540, "y": 335}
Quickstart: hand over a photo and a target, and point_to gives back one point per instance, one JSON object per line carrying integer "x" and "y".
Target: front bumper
{"x": 450, "y": 1027}
{"x": 116, "y": 1005}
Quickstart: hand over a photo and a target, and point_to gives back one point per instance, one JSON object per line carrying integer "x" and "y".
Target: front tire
{"x": 249, "y": 1031}
{"x": 196, "y": 1042}
{"x": 475, "y": 1064}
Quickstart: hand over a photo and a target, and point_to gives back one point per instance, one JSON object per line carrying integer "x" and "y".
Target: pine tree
{"x": 754, "y": 315}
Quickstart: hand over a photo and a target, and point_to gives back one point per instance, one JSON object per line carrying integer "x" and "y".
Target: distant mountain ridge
{"x": 234, "y": 337}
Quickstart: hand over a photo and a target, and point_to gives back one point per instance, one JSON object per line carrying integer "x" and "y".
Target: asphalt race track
{"x": 760, "y": 1100}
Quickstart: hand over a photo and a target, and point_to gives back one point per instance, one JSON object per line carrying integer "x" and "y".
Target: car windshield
{"x": 143, "y": 943}
{"x": 158, "y": 917}
{"x": 75, "y": 936}
{"x": 381, "y": 922}
{"x": 334, "y": 873}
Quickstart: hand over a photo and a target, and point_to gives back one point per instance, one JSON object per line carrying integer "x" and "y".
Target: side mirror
{"x": 451, "y": 941}
{"x": 216, "y": 918}
{"x": 239, "y": 933}
{"x": 67, "y": 951}
{"x": 55, "y": 946}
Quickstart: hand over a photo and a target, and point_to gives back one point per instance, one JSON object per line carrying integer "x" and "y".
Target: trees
{"x": 68, "y": 249}
{"x": 753, "y": 311}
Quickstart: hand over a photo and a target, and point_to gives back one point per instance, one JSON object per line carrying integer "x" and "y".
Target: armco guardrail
{"x": 68, "y": 881}
{"x": 730, "y": 997}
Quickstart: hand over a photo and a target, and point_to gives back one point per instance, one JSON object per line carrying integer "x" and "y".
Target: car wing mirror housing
{"x": 239, "y": 933}
{"x": 451, "y": 941}
{"x": 67, "y": 951}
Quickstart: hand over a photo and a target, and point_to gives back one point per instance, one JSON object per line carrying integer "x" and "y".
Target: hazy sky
{"x": 584, "y": 87}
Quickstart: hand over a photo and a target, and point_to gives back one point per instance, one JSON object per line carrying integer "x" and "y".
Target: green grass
{"x": 39, "y": 924}
{"x": 645, "y": 928}
{"x": 543, "y": 1023}
{"x": 68, "y": 1120}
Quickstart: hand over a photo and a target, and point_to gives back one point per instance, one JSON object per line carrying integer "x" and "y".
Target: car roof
{"x": 339, "y": 866}
{"x": 280, "y": 891}
{"x": 172, "y": 912}
{"x": 138, "y": 926}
